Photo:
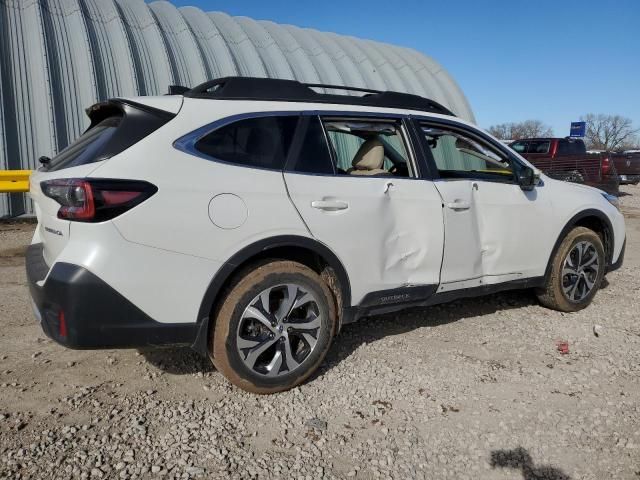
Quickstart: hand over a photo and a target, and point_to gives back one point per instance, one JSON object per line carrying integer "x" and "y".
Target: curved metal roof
{"x": 59, "y": 56}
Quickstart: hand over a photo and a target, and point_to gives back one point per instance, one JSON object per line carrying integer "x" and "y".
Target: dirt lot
{"x": 475, "y": 389}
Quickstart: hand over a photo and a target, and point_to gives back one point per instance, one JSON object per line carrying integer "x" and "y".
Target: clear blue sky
{"x": 515, "y": 60}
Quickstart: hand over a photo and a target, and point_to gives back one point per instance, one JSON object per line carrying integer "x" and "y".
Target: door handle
{"x": 388, "y": 186}
{"x": 329, "y": 205}
{"x": 459, "y": 205}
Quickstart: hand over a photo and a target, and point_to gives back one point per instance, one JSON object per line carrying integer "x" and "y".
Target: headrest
{"x": 370, "y": 155}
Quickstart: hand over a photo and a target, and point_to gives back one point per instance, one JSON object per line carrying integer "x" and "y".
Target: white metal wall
{"x": 57, "y": 57}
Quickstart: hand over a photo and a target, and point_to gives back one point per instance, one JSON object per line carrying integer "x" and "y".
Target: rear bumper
{"x": 79, "y": 310}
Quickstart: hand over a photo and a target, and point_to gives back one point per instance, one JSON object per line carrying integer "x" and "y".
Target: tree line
{"x": 604, "y": 132}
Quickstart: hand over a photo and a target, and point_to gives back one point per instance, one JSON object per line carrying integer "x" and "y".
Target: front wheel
{"x": 274, "y": 327}
{"x": 576, "y": 272}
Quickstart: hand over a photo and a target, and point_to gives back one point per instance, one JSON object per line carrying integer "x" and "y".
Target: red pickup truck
{"x": 567, "y": 159}
{"x": 628, "y": 166}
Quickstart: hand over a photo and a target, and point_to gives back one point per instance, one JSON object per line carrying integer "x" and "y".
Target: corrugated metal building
{"x": 59, "y": 56}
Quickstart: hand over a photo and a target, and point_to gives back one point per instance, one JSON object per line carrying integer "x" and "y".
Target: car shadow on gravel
{"x": 374, "y": 328}
{"x": 520, "y": 459}
{"x": 177, "y": 361}
{"x": 184, "y": 361}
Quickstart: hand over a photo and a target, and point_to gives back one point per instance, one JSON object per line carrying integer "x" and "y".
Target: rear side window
{"x": 254, "y": 142}
{"x": 563, "y": 147}
{"x": 571, "y": 147}
{"x": 115, "y": 126}
{"x": 577, "y": 147}
{"x": 368, "y": 147}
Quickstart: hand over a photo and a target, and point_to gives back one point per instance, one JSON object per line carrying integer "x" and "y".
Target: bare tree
{"x": 609, "y": 132}
{"x": 516, "y": 131}
{"x": 632, "y": 144}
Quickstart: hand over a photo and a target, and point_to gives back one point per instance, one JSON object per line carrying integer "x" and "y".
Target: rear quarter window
{"x": 261, "y": 142}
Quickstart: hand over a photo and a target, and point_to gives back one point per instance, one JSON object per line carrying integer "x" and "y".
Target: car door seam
{"x": 286, "y": 188}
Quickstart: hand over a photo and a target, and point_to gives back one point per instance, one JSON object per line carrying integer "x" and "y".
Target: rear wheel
{"x": 274, "y": 327}
{"x": 576, "y": 272}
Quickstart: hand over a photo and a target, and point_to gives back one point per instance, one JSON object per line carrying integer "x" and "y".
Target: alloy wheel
{"x": 279, "y": 329}
{"x": 580, "y": 271}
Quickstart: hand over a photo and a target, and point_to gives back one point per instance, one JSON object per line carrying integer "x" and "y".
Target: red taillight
{"x": 62, "y": 324}
{"x": 606, "y": 166}
{"x": 96, "y": 200}
{"x": 75, "y": 196}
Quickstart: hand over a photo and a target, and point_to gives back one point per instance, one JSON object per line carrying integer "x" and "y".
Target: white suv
{"x": 251, "y": 218}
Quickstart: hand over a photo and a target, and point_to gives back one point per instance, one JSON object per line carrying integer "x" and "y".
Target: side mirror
{"x": 528, "y": 178}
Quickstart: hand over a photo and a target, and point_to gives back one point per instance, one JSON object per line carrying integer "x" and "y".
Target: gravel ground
{"x": 475, "y": 389}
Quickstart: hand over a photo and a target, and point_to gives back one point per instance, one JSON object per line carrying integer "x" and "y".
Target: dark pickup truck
{"x": 567, "y": 159}
{"x": 628, "y": 166}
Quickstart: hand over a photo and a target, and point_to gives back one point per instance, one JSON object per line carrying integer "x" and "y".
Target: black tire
{"x": 554, "y": 295}
{"x": 232, "y": 323}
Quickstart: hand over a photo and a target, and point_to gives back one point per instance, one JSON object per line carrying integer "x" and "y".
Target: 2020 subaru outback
{"x": 252, "y": 218}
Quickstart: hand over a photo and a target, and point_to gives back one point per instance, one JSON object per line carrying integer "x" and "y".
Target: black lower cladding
{"x": 389, "y": 301}
{"x": 615, "y": 266}
{"x": 95, "y": 315}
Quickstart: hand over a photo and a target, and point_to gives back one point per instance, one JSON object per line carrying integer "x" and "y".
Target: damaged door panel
{"x": 494, "y": 230}
{"x": 385, "y": 227}
{"x": 515, "y": 235}
{"x": 462, "y": 259}
{"x": 385, "y": 240}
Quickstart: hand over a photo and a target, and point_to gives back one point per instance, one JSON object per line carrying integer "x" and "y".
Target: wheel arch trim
{"x": 592, "y": 212}
{"x": 229, "y": 268}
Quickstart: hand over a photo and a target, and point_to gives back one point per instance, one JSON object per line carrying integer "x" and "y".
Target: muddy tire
{"x": 577, "y": 271}
{"x": 274, "y": 327}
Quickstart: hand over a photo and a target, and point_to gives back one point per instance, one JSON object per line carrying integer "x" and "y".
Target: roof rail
{"x": 251, "y": 88}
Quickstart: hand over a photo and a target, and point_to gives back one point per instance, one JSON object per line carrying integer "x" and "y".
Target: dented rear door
{"x": 387, "y": 231}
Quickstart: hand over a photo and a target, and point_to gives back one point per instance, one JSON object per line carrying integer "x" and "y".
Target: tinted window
{"x": 564, "y": 147}
{"x": 539, "y": 146}
{"x": 88, "y": 147}
{"x": 571, "y": 147}
{"x": 312, "y": 155}
{"x": 115, "y": 126}
{"x": 255, "y": 142}
{"x": 577, "y": 147}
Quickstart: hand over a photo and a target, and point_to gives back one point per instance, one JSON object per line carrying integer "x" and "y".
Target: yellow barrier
{"x": 14, "y": 181}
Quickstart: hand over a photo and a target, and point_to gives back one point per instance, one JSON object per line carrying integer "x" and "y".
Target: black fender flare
{"x": 230, "y": 267}
{"x": 592, "y": 212}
